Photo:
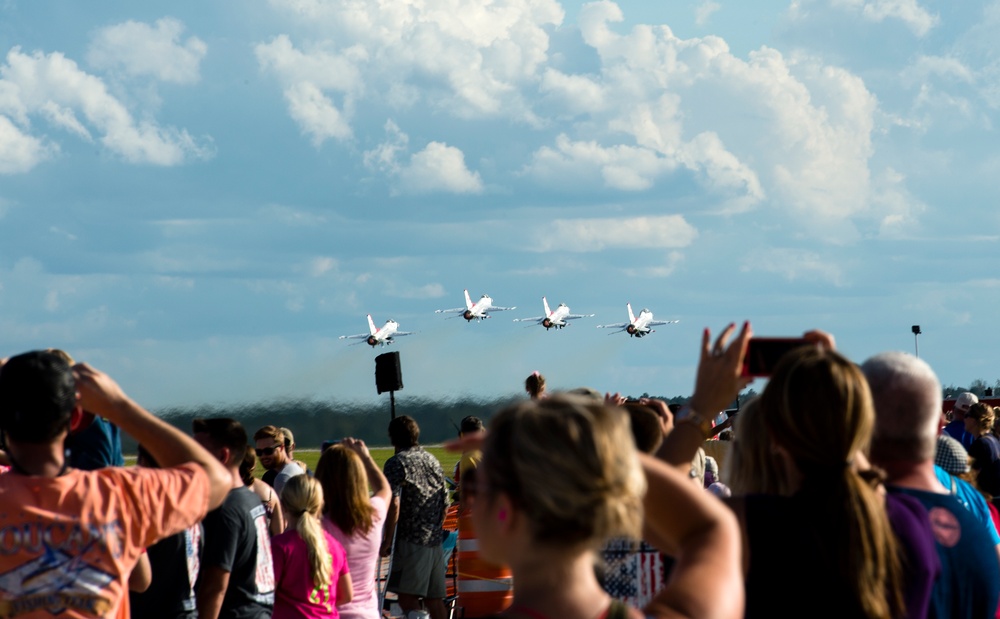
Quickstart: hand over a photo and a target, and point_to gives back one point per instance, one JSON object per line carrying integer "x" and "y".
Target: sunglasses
{"x": 267, "y": 451}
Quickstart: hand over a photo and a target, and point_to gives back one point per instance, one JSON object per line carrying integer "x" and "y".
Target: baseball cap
{"x": 964, "y": 401}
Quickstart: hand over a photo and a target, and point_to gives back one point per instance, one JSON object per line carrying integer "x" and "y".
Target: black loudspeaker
{"x": 388, "y": 375}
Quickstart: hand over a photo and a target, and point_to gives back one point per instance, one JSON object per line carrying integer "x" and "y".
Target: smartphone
{"x": 329, "y": 443}
{"x": 764, "y": 353}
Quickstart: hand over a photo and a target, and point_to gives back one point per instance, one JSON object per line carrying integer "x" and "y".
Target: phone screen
{"x": 763, "y": 354}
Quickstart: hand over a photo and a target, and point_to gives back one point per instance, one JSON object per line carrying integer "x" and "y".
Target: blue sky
{"x": 200, "y": 199}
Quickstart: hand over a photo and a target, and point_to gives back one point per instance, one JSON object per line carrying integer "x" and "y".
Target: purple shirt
{"x": 921, "y": 565}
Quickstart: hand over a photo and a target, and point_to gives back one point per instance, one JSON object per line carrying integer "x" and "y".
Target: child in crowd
{"x": 310, "y": 567}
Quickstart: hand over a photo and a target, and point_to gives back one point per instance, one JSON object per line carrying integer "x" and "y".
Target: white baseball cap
{"x": 965, "y": 401}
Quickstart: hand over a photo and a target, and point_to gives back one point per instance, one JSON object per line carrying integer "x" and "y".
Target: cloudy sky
{"x": 201, "y": 197}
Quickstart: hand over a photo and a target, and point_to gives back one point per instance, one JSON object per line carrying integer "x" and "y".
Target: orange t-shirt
{"x": 69, "y": 543}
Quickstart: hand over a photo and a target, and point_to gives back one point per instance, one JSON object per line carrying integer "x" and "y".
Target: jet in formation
{"x": 556, "y": 318}
{"x": 638, "y": 326}
{"x": 480, "y": 310}
{"x": 378, "y": 337}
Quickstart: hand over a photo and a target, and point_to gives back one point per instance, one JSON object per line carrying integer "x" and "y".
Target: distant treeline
{"x": 314, "y": 421}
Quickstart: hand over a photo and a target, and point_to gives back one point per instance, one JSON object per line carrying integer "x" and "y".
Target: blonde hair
{"x": 818, "y": 408}
{"x": 593, "y": 485}
{"x": 345, "y": 488}
{"x": 303, "y": 497}
{"x": 752, "y": 467}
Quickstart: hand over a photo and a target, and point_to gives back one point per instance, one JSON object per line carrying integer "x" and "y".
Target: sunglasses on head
{"x": 267, "y": 451}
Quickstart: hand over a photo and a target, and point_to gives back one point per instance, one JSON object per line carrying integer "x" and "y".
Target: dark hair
{"x": 144, "y": 458}
{"x": 224, "y": 432}
{"x": 471, "y": 424}
{"x": 404, "y": 432}
{"x": 247, "y": 466}
{"x": 37, "y": 396}
{"x": 646, "y": 429}
{"x": 534, "y": 384}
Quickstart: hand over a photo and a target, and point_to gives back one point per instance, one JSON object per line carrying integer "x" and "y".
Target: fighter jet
{"x": 378, "y": 337}
{"x": 555, "y": 318}
{"x": 475, "y": 311}
{"x": 638, "y": 327}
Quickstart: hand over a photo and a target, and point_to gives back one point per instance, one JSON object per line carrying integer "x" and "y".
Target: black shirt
{"x": 237, "y": 541}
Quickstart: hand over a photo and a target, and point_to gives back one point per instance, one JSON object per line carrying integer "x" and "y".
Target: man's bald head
{"x": 907, "y": 395}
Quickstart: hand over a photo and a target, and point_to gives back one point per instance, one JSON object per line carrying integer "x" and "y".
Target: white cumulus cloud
{"x": 438, "y": 167}
{"x": 54, "y": 88}
{"x": 916, "y": 18}
{"x": 791, "y": 133}
{"x": 316, "y": 114}
{"x": 704, "y": 11}
{"x": 20, "y": 152}
{"x": 596, "y": 234}
{"x": 794, "y": 265}
{"x": 473, "y": 58}
{"x": 139, "y": 49}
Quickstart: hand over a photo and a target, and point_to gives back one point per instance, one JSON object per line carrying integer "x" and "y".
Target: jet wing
{"x": 621, "y": 326}
{"x": 494, "y": 308}
{"x": 575, "y": 316}
{"x": 456, "y": 310}
{"x": 403, "y": 333}
{"x": 657, "y": 323}
{"x": 355, "y": 337}
{"x": 532, "y": 319}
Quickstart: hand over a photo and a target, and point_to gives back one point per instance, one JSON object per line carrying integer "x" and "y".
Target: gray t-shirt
{"x": 289, "y": 471}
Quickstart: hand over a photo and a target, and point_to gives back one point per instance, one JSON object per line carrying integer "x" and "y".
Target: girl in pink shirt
{"x": 310, "y": 566}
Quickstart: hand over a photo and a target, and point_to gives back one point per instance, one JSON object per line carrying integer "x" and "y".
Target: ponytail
{"x": 871, "y": 553}
{"x": 817, "y": 406}
{"x": 303, "y": 496}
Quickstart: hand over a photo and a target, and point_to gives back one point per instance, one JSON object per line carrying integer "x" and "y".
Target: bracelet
{"x": 689, "y": 415}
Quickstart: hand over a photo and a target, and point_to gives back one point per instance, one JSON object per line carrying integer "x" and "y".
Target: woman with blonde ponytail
{"x": 310, "y": 567}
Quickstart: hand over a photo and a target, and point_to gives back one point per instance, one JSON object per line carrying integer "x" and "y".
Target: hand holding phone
{"x": 764, "y": 353}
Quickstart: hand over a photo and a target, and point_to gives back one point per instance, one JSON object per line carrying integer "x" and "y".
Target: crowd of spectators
{"x": 841, "y": 491}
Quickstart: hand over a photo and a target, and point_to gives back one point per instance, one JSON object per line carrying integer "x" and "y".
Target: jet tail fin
{"x": 631, "y": 316}
{"x": 468, "y": 300}
{"x": 545, "y": 304}
{"x": 371, "y": 325}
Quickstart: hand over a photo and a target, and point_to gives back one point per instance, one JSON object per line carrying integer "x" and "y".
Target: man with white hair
{"x": 907, "y": 396}
{"x": 956, "y": 427}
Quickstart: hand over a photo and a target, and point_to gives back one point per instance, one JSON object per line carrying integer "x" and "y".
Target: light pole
{"x": 916, "y": 332}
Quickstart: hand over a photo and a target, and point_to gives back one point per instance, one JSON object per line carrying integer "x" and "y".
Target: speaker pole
{"x": 392, "y": 404}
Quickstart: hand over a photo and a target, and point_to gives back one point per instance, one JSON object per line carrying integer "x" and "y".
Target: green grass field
{"x": 447, "y": 459}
